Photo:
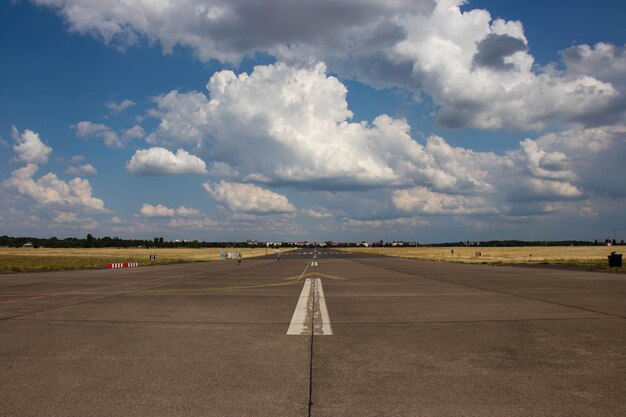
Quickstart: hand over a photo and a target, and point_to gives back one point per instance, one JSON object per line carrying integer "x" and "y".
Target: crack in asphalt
{"x": 193, "y": 275}
{"x": 312, "y": 323}
{"x": 588, "y": 310}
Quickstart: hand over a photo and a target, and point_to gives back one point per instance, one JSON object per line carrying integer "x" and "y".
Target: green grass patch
{"x": 67, "y": 263}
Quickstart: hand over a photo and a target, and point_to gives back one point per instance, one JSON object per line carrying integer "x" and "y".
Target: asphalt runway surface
{"x": 369, "y": 336}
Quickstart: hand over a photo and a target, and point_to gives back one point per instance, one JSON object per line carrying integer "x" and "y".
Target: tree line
{"x": 111, "y": 242}
{"x": 158, "y": 242}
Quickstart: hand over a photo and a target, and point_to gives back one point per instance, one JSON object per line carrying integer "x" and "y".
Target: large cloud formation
{"x": 478, "y": 70}
{"x": 299, "y": 119}
{"x": 226, "y": 30}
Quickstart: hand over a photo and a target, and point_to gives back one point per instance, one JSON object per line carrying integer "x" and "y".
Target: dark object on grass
{"x": 615, "y": 260}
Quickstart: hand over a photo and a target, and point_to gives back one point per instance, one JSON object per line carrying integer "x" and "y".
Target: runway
{"x": 374, "y": 336}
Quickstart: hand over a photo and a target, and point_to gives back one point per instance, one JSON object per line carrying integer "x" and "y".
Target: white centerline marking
{"x": 325, "y": 317}
{"x": 310, "y": 311}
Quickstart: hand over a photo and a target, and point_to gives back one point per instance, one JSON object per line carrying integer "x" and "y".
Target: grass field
{"x": 590, "y": 257}
{"x": 45, "y": 259}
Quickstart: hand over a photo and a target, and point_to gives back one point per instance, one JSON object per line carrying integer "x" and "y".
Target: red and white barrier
{"x": 123, "y": 265}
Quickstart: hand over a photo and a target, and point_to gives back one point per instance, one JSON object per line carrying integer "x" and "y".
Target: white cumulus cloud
{"x": 318, "y": 213}
{"x": 134, "y": 132}
{"x": 605, "y": 61}
{"x": 593, "y": 156}
{"x": 148, "y": 210}
{"x": 121, "y": 106}
{"x": 66, "y": 217}
{"x": 183, "y": 211}
{"x": 86, "y": 169}
{"x": 547, "y": 190}
{"x": 159, "y": 210}
{"x": 424, "y": 201}
{"x": 71, "y": 220}
{"x": 160, "y": 161}
{"x": 87, "y": 129}
{"x": 29, "y": 147}
{"x": 50, "y": 190}
{"x": 248, "y": 198}
{"x": 193, "y": 223}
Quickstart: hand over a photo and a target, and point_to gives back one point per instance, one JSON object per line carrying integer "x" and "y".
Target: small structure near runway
{"x": 116, "y": 265}
{"x": 229, "y": 255}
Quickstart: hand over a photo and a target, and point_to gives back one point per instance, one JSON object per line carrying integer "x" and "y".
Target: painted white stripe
{"x": 326, "y": 329}
{"x": 310, "y": 311}
{"x": 299, "y": 319}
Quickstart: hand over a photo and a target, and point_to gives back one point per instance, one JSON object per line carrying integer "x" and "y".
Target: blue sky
{"x": 318, "y": 120}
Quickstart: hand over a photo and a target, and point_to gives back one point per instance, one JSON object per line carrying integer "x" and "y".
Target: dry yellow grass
{"x": 30, "y": 259}
{"x": 583, "y": 256}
